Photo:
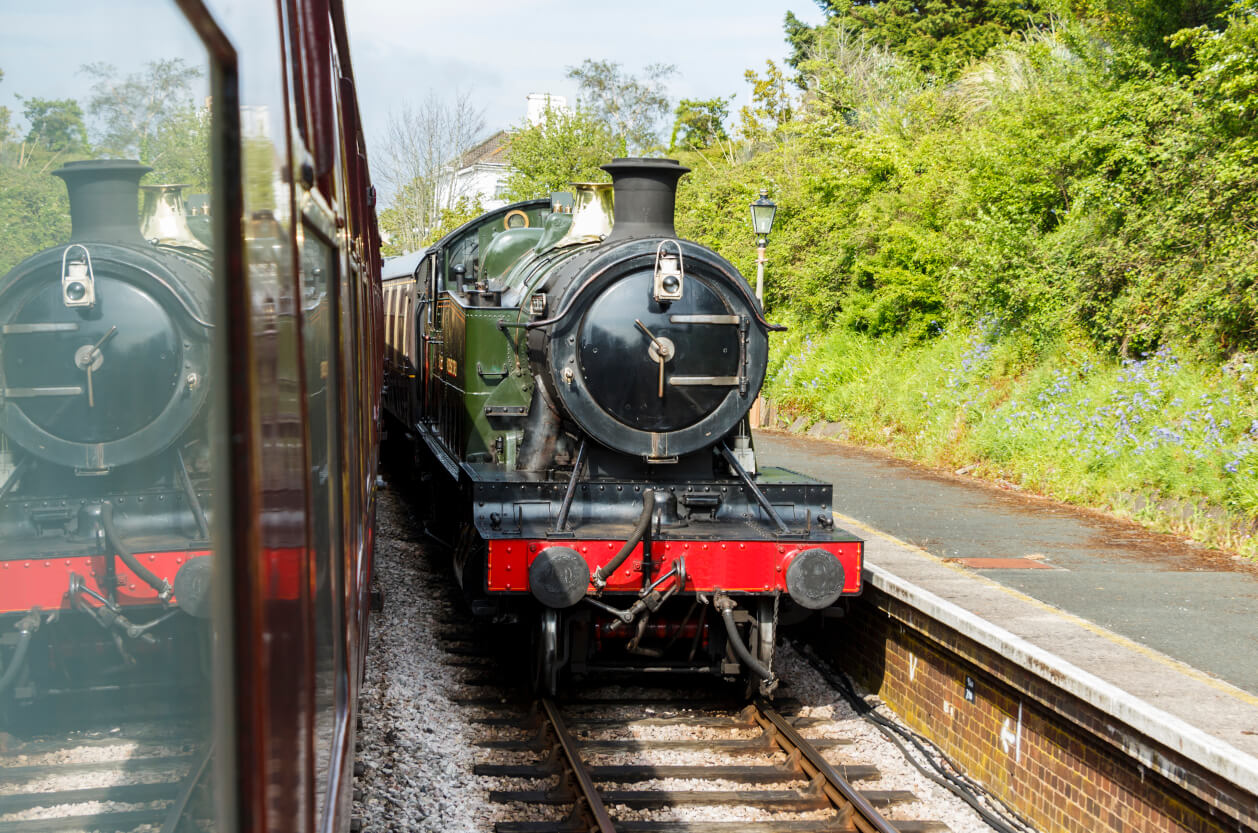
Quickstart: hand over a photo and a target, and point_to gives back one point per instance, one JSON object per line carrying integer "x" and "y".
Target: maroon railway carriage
{"x": 190, "y": 398}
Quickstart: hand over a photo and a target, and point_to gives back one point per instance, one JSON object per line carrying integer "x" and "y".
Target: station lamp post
{"x": 762, "y": 211}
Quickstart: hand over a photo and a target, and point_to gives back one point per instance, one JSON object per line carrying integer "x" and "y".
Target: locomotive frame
{"x": 584, "y": 495}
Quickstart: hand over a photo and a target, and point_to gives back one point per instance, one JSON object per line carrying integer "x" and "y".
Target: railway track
{"x": 692, "y": 763}
{"x": 143, "y": 779}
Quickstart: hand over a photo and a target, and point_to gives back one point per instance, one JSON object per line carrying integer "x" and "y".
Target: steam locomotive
{"x": 104, "y": 376}
{"x": 577, "y": 379}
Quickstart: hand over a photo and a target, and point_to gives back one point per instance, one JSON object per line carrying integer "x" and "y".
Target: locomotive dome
{"x": 658, "y": 347}
{"x": 106, "y": 354}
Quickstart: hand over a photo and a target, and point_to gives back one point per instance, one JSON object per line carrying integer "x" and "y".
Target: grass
{"x": 1165, "y": 441}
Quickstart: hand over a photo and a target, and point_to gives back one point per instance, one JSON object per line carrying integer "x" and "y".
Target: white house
{"x": 482, "y": 171}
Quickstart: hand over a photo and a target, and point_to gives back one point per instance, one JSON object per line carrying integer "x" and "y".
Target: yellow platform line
{"x": 1118, "y": 639}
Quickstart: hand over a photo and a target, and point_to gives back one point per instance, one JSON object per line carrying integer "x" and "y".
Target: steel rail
{"x": 828, "y": 786}
{"x": 580, "y": 773}
{"x": 179, "y": 806}
{"x": 843, "y": 795}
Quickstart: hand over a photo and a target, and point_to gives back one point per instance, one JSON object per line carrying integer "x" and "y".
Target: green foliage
{"x": 5, "y": 115}
{"x": 173, "y": 138}
{"x": 464, "y": 209}
{"x": 1227, "y": 64}
{"x": 850, "y": 78}
{"x": 801, "y": 37}
{"x": 1172, "y": 441}
{"x": 131, "y": 110}
{"x": 631, "y": 107}
{"x": 1140, "y": 33}
{"x": 771, "y": 105}
{"x": 421, "y": 146}
{"x": 940, "y": 38}
{"x": 1046, "y": 265}
{"x": 397, "y": 241}
{"x": 564, "y": 147}
{"x": 1035, "y": 190}
{"x": 180, "y": 151}
{"x": 55, "y": 124}
{"x": 699, "y": 123}
{"x": 34, "y": 213}
{"x": 259, "y": 155}
{"x": 399, "y": 227}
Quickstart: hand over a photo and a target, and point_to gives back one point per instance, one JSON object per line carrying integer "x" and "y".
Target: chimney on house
{"x": 540, "y": 102}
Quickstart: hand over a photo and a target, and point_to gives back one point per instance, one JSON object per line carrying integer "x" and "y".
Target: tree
{"x": 630, "y": 106}
{"x": 801, "y": 37}
{"x": 848, "y": 77}
{"x": 422, "y": 149}
{"x": 700, "y": 123}
{"x": 940, "y": 37}
{"x": 1147, "y": 26}
{"x": 771, "y": 103}
{"x": 563, "y": 147}
{"x": 464, "y": 208}
{"x": 4, "y": 118}
{"x": 183, "y": 149}
{"x": 55, "y": 124}
{"x": 34, "y": 213}
{"x": 131, "y": 111}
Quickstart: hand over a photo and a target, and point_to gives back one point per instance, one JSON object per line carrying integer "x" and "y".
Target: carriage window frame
{"x": 426, "y": 280}
{"x": 319, "y": 226}
{"x": 233, "y": 528}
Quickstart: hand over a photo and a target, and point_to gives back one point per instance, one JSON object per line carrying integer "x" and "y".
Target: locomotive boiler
{"x": 104, "y": 375}
{"x": 578, "y": 380}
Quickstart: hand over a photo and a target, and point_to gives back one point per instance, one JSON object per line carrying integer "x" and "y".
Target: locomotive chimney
{"x": 646, "y": 195}
{"x": 104, "y": 200}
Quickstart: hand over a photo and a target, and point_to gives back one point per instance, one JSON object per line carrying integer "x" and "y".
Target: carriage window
{"x": 107, "y": 441}
{"x": 425, "y": 280}
{"x": 319, "y": 267}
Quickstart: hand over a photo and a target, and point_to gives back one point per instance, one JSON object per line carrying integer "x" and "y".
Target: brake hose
{"x": 128, "y": 558}
{"x": 26, "y": 629}
{"x": 726, "y": 606}
{"x": 644, "y": 523}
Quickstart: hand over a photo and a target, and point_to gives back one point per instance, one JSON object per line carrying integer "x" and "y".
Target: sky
{"x": 495, "y": 51}
{"x": 44, "y": 45}
{"x": 499, "y": 51}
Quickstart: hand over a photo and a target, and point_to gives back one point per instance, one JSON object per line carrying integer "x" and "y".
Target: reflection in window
{"x": 106, "y": 331}
{"x": 318, "y": 272}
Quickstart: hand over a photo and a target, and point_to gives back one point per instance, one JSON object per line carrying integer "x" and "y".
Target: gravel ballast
{"x": 418, "y": 745}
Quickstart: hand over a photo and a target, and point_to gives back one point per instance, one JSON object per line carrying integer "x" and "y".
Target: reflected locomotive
{"x": 104, "y": 493}
{"x": 577, "y": 381}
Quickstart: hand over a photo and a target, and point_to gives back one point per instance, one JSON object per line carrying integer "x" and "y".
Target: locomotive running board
{"x": 433, "y": 442}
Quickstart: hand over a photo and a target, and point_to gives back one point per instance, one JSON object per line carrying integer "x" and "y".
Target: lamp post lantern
{"x": 762, "y": 212}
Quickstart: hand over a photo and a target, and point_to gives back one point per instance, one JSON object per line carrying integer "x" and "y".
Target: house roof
{"x": 489, "y": 152}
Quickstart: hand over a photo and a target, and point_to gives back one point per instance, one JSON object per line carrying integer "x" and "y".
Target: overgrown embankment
{"x": 1044, "y": 263}
{"x": 1170, "y": 442}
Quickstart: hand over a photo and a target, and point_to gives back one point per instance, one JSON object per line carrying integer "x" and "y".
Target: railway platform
{"x": 1154, "y": 637}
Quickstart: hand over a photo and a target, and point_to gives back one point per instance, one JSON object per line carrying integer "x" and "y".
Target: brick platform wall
{"x": 1059, "y": 761}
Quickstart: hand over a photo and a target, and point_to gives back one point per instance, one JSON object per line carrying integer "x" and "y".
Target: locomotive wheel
{"x": 548, "y": 654}
{"x": 761, "y": 640}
